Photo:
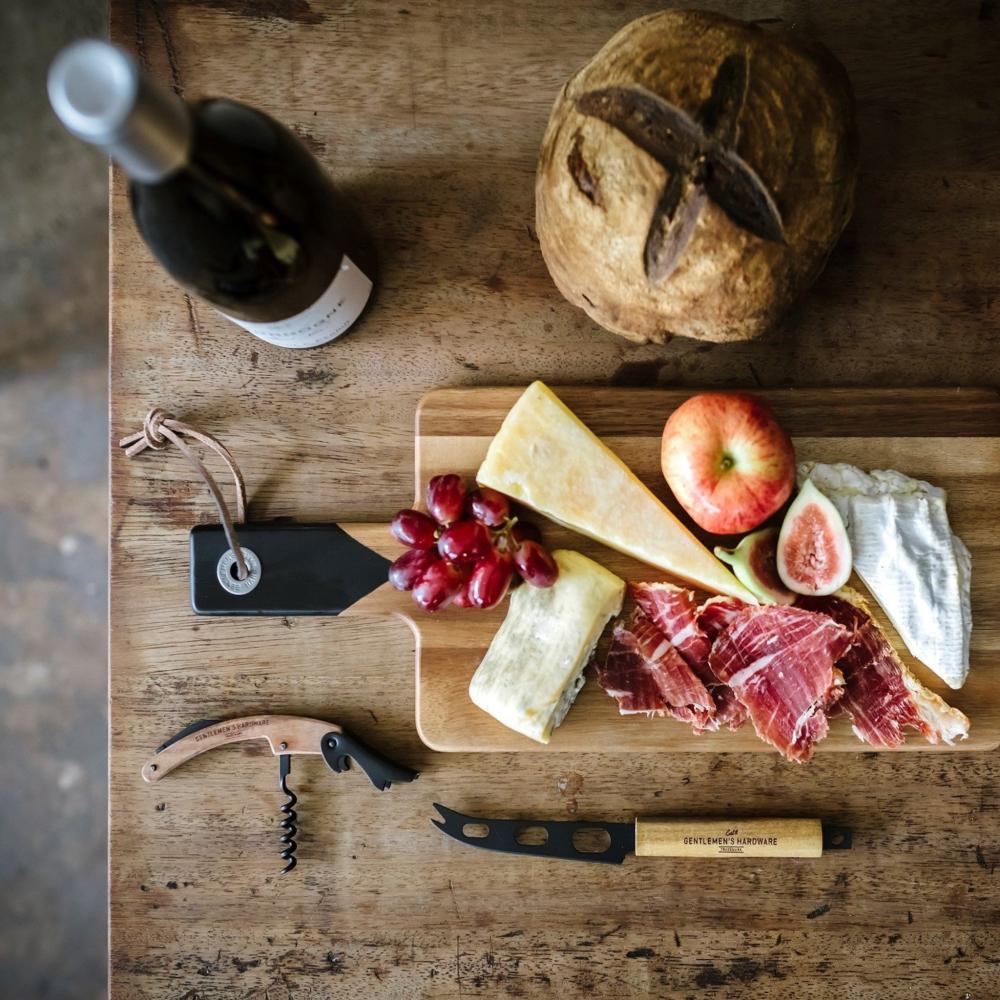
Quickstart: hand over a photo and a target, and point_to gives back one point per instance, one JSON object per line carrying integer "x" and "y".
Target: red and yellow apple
{"x": 727, "y": 460}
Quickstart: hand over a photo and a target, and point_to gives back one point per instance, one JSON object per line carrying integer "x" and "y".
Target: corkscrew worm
{"x": 287, "y": 824}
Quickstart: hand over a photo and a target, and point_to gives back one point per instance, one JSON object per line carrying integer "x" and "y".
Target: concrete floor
{"x": 53, "y": 518}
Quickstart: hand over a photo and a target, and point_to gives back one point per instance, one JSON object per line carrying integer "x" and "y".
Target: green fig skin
{"x": 754, "y": 561}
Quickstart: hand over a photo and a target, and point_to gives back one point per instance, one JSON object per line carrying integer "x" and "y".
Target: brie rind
{"x": 908, "y": 557}
{"x": 533, "y": 670}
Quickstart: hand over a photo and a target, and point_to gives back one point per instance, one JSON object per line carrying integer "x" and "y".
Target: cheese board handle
{"x": 384, "y": 600}
{"x": 376, "y": 536}
{"x": 729, "y": 838}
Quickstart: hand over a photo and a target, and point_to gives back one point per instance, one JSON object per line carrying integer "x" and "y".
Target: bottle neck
{"x": 102, "y": 97}
{"x": 155, "y": 140}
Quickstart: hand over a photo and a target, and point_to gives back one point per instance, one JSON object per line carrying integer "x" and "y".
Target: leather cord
{"x": 160, "y": 429}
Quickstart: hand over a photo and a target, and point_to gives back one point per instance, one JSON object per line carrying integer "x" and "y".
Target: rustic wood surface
{"x": 430, "y": 113}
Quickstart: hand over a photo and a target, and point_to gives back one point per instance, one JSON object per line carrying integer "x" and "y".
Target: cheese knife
{"x": 609, "y": 843}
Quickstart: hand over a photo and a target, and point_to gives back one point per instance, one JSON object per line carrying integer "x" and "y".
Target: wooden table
{"x": 430, "y": 113}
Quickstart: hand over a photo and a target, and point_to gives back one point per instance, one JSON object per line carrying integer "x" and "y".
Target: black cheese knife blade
{"x": 581, "y": 840}
{"x": 295, "y": 569}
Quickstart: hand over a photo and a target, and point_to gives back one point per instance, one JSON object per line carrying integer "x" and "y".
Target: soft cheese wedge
{"x": 545, "y": 457}
{"x": 533, "y": 669}
{"x": 908, "y": 557}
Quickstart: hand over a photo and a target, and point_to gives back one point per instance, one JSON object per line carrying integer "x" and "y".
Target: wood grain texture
{"x": 431, "y": 113}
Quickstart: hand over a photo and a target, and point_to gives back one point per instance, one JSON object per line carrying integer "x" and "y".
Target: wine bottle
{"x": 232, "y": 204}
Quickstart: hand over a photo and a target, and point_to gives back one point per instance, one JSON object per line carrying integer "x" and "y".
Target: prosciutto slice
{"x": 717, "y": 614}
{"x": 644, "y": 673}
{"x": 675, "y": 613}
{"x": 780, "y": 662}
{"x": 881, "y": 696}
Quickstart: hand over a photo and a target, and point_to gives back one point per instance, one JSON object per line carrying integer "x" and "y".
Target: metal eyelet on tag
{"x": 228, "y": 581}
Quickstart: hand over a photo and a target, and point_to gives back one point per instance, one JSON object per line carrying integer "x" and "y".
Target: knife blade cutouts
{"x": 611, "y": 843}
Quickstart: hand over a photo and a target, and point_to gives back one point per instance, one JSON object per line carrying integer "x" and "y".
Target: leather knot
{"x": 160, "y": 429}
{"x": 152, "y": 433}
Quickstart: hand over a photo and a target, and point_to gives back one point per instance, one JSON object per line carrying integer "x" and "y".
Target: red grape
{"x": 525, "y": 531}
{"x": 490, "y": 580}
{"x": 535, "y": 564}
{"x": 465, "y": 542}
{"x": 414, "y": 529}
{"x": 439, "y": 584}
{"x": 488, "y": 506}
{"x": 462, "y": 599}
{"x": 406, "y": 571}
{"x": 468, "y": 550}
{"x": 446, "y": 498}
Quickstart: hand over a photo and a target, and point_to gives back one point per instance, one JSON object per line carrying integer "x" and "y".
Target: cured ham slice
{"x": 780, "y": 662}
{"x": 675, "y": 612}
{"x": 644, "y": 673}
{"x": 717, "y": 614}
{"x": 626, "y": 677}
{"x": 881, "y": 695}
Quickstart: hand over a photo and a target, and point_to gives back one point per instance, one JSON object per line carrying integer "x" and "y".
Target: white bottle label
{"x": 328, "y": 317}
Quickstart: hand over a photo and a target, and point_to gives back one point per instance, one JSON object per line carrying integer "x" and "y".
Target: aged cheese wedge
{"x": 534, "y": 667}
{"x": 545, "y": 457}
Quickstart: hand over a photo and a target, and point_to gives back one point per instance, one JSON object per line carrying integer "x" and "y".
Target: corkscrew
{"x": 286, "y": 735}
{"x": 289, "y": 815}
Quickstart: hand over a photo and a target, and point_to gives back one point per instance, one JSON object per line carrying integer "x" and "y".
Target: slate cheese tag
{"x": 305, "y": 569}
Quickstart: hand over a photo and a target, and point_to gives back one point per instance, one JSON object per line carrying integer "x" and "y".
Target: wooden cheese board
{"x": 949, "y": 437}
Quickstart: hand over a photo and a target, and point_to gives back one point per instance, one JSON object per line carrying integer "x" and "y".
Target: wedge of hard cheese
{"x": 545, "y": 457}
{"x": 534, "y": 667}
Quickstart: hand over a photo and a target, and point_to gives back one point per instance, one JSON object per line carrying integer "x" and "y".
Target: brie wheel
{"x": 908, "y": 557}
{"x": 533, "y": 670}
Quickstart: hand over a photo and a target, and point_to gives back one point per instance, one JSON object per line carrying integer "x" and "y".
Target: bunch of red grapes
{"x": 467, "y": 549}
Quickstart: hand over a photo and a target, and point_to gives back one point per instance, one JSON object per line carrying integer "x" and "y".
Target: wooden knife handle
{"x": 729, "y": 838}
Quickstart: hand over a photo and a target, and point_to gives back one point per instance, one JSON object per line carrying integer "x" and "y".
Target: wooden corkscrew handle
{"x": 286, "y": 734}
{"x": 729, "y": 838}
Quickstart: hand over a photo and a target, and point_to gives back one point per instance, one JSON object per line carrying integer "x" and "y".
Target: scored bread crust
{"x": 796, "y": 130}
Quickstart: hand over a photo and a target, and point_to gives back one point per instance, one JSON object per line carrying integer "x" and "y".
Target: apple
{"x": 727, "y": 460}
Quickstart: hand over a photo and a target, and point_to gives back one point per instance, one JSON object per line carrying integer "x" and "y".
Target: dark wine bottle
{"x": 231, "y": 202}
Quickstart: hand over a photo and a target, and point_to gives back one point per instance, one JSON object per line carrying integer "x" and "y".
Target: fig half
{"x": 814, "y": 552}
{"x": 755, "y": 564}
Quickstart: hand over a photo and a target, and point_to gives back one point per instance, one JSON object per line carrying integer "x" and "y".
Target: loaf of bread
{"x": 694, "y": 176}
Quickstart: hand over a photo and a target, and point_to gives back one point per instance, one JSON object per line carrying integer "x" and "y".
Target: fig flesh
{"x": 814, "y": 553}
{"x": 755, "y": 563}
